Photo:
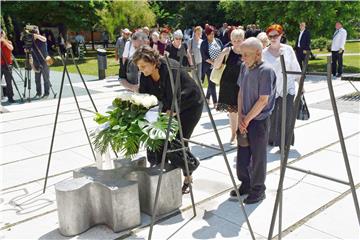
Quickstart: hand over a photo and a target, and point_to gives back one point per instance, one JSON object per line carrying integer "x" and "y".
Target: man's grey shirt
{"x": 120, "y": 45}
{"x": 256, "y": 82}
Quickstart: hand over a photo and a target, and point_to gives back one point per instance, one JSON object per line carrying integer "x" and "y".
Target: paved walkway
{"x": 313, "y": 208}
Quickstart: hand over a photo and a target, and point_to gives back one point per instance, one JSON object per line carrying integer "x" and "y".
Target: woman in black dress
{"x": 155, "y": 80}
{"x": 228, "y": 85}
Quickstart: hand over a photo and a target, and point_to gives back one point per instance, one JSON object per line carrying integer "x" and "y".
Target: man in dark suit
{"x": 302, "y": 43}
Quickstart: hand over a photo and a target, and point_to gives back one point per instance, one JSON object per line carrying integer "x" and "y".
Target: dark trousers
{"x": 275, "y": 121}
{"x": 336, "y": 60}
{"x": 251, "y": 160}
{"x": 300, "y": 56}
{"x": 211, "y": 90}
{"x": 45, "y": 72}
{"x": 6, "y": 71}
{"x": 122, "y": 69}
{"x": 189, "y": 119}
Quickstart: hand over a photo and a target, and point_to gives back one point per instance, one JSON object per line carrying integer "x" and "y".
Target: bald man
{"x": 256, "y": 101}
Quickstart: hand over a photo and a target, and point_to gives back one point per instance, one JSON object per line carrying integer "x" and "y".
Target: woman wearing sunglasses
{"x": 173, "y": 49}
{"x": 271, "y": 55}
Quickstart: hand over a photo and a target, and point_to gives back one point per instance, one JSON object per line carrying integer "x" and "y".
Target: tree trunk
{"x": 92, "y": 40}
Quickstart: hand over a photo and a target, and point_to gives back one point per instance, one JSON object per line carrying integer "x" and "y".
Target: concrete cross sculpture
{"x": 115, "y": 197}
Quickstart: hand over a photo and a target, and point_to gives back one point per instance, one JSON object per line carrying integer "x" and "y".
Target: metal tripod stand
{"x": 12, "y": 77}
{"x": 175, "y": 85}
{"x": 285, "y": 145}
{"x": 65, "y": 71}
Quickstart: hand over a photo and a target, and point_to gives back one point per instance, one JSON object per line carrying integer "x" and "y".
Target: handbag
{"x": 216, "y": 73}
{"x": 303, "y": 111}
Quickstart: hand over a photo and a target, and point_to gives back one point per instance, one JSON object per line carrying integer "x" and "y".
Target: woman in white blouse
{"x": 271, "y": 55}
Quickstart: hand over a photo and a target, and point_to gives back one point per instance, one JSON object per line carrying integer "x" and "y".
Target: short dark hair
{"x": 147, "y": 54}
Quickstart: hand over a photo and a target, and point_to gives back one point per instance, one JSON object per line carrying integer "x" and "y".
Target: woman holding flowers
{"x": 155, "y": 80}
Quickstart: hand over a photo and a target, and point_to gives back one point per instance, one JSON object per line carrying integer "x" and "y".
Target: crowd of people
{"x": 250, "y": 89}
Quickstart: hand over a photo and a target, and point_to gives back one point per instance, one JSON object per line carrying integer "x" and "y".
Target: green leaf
{"x": 116, "y": 127}
{"x": 100, "y": 119}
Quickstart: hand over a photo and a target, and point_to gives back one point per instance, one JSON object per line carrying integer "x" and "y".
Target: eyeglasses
{"x": 273, "y": 36}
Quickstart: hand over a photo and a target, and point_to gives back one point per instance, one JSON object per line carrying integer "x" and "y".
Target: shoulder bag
{"x": 303, "y": 111}
{"x": 216, "y": 73}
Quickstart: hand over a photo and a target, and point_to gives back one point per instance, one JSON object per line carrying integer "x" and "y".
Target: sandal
{"x": 186, "y": 186}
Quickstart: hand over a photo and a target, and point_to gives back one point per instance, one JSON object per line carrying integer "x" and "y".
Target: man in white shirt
{"x": 138, "y": 39}
{"x": 337, "y": 49}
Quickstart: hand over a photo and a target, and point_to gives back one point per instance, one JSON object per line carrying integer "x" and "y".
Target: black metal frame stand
{"x": 17, "y": 69}
{"x": 27, "y": 79}
{"x": 68, "y": 52}
{"x": 175, "y": 85}
{"x": 285, "y": 146}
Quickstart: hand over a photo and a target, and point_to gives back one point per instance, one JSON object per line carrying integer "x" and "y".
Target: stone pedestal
{"x": 170, "y": 197}
{"x": 84, "y": 202}
{"x": 114, "y": 197}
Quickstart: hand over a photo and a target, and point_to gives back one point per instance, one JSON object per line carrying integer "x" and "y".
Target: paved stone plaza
{"x": 313, "y": 208}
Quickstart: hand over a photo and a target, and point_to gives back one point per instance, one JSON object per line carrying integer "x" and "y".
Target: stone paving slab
{"x": 338, "y": 221}
{"x": 260, "y": 214}
{"x": 35, "y": 168}
{"x": 218, "y": 217}
{"x": 206, "y": 225}
{"x": 351, "y": 144}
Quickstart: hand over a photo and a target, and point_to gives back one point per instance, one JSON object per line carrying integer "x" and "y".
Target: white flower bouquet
{"x": 126, "y": 128}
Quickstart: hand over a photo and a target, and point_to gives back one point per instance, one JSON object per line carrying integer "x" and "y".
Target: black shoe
{"x": 242, "y": 191}
{"x": 45, "y": 96}
{"x": 11, "y": 100}
{"x": 254, "y": 198}
{"x": 338, "y": 75}
{"x": 37, "y": 96}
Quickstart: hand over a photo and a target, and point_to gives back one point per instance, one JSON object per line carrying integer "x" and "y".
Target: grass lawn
{"x": 350, "y": 47}
{"x": 87, "y": 66}
{"x": 351, "y": 64}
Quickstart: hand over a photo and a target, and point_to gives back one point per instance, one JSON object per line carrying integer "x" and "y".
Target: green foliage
{"x": 319, "y": 43}
{"x": 181, "y": 14}
{"x": 125, "y": 14}
{"x": 74, "y": 14}
{"x": 320, "y": 16}
{"x": 125, "y": 129}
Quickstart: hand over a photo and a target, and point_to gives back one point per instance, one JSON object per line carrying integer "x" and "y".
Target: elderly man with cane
{"x": 256, "y": 100}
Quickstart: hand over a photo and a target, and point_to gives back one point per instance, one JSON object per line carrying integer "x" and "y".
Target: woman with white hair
{"x": 228, "y": 85}
{"x": 173, "y": 49}
{"x": 154, "y": 39}
{"x": 264, "y": 39}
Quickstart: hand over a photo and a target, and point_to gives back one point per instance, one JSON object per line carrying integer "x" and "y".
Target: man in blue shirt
{"x": 256, "y": 100}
